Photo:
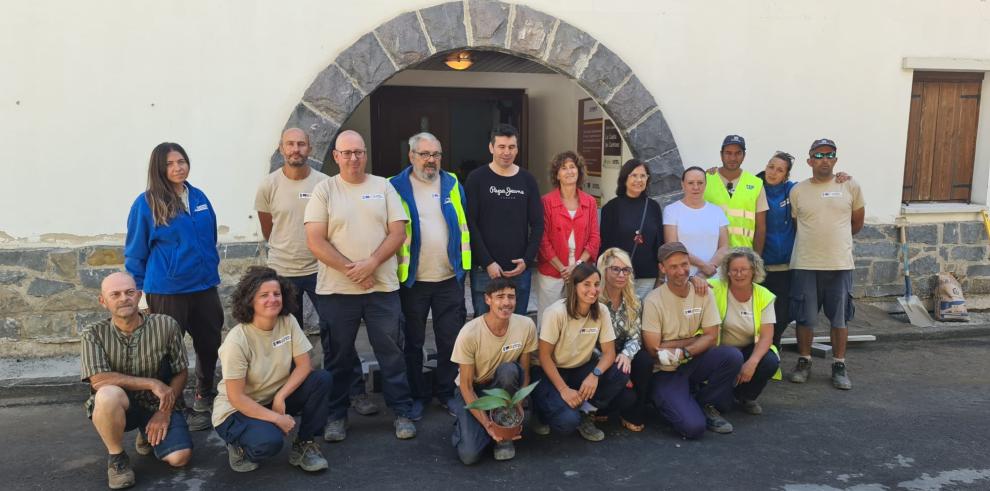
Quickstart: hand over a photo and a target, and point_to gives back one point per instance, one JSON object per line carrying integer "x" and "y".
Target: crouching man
{"x": 492, "y": 351}
{"x": 136, "y": 367}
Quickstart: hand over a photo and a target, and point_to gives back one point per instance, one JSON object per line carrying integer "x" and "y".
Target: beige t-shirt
{"x": 676, "y": 318}
{"x": 357, "y": 218}
{"x": 737, "y": 327}
{"x": 824, "y": 224}
{"x": 574, "y": 340}
{"x": 761, "y": 201}
{"x": 262, "y": 358}
{"x": 433, "y": 265}
{"x": 285, "y": 199}
{"x": 476, "y": 345}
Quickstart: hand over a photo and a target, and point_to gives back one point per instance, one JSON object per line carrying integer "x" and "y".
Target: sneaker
{"x": 141, "y": 445}
{"x": 504, "y": 450}
{"x": 451, "y": 406}
{"x": 715, "y": 422}
{"x": 801, "y": 372}
{"x": 538, "y": 427}
{"x": 839, "y": 378}
{"x": 363, "y": 405}
{"x": 307, "y": 456}
{"x": 404, "y": 428}
{"x": 751, "y": 407}
{"x": 203, "y": 404}
{"x": 335, "y": 430}
{"x": 238, "y": 460}
{"x": 588, "y": 430}
{"x": 119, "y": 472}
{"x": 199, "y": 420}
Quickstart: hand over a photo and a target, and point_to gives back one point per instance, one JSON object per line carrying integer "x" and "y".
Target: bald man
{"x": 355, "y": 223}
{"x": 281, "y": 204}
{"x": 135, "y": 365}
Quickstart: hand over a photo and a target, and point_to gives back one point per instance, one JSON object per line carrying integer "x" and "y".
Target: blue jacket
{"x": 180, "y": 257}
{"x": 447, "y": 182}
{"x": 780, "y": 226}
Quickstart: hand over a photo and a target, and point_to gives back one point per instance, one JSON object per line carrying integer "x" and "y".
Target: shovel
{"x": 915, "y": 310}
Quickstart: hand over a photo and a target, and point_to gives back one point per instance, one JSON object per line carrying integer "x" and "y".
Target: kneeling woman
{"x": 574, "y": 382}
{"x": 268, "y": 378}
{"x": 747, "y": 310}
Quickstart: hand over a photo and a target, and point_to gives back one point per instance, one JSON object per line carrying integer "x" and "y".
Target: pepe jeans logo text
{"x": 506, "y": 191}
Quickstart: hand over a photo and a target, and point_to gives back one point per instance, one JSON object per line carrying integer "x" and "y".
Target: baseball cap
{"x": 670, "y": 248}
{"x": 734, "y": 140}
{"x": 822, "y": 142}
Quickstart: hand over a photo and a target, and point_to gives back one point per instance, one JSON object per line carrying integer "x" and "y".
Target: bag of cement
{"x": 951, "y": 304}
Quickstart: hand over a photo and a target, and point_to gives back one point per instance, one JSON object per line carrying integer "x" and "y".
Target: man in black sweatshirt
{"x": 505, "y": 216}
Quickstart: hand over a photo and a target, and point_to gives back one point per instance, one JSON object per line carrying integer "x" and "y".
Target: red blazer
{"x": 557, "y": 226}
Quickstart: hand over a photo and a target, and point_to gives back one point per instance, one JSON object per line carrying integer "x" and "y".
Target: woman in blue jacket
{"x": 171, "y": 250}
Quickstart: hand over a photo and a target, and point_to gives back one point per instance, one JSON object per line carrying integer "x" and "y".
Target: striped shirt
{"x": 153, "y": 350}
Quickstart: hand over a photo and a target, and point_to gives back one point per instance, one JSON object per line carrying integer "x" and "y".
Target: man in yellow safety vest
{"x": 741, "y": 196}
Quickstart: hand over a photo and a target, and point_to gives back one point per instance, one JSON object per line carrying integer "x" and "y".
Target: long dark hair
{"x": 627, "y": 168}
{"x": 581, "y": 272}
{"x": 161, "y": 196}
{"x": 242, "y": 300}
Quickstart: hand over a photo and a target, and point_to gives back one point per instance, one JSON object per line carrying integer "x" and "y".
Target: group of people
{"x": 669, "y": 314}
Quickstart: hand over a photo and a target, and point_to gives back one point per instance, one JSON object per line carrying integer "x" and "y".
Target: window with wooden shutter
{"x": 941, "y": 143}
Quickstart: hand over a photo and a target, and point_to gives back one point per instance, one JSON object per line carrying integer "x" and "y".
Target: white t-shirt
{"x": 697, "y": 229}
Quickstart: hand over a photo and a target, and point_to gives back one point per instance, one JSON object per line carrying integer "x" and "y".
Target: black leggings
{"x": 779, "y": 283}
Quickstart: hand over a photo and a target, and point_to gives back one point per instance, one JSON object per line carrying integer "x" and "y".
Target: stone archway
{"x": 515, "y": 29}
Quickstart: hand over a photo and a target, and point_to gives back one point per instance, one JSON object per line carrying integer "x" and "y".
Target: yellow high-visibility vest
{"x": 404, "y": 256}
{"x": 739, "y": 208}
{"x": 761, "y": 299}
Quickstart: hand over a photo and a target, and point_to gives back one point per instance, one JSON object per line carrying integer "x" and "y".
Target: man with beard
{"x": 432, "y": 262}
{"x": 741, "y": 196}
{"x": 281, "y": 203}
{"x": 135, "y": 365}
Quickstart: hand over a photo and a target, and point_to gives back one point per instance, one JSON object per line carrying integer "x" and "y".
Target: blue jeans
{"x": 551, "y": 408}
{"x": 470, "y": 438}
{"x": 176, "y": 438}
{"x": 446, "y": 300}
{"x": 480, "y": 279}
{"x": 307, "y": 284}
{"x": 382, "y": 315}
{"x": 768, "y": 365}
{"x": 261, "y": 439}
{"x": 671, "y": 391}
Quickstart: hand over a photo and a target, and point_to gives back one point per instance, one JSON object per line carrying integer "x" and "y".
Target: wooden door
{"x": 941, "y": 143}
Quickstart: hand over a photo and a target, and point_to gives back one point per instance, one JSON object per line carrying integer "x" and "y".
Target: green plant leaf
{"x": 522, "y": 393}
{"x": 487, "y": 403}
{"x": 500, "y": 393}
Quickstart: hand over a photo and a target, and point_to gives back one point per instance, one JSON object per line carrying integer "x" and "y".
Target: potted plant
{"x": 504, "y": 409}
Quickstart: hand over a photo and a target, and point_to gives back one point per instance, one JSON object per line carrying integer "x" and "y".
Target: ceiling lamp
{"x": 459, "y": 60}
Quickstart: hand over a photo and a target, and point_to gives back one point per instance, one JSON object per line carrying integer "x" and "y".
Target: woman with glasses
{"x": 747, "y": 311}
{"x": 619, "y": 295}
{"x": 701, "y": 226}
{"x": 570, "y": 228}
{"x": 633, "y": 222}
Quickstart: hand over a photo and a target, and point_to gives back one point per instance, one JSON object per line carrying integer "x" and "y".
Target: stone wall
{"x": 47, "y": 295}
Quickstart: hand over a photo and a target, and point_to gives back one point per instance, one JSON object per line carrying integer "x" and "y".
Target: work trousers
{"x": 768, "y": 365}
{"x": 713, "y": 373}
{"x": 201, "y": 315}
{"x": 779, "y": 283}
{"x": 446, "y": 300}
{"x": 551, "y": 408}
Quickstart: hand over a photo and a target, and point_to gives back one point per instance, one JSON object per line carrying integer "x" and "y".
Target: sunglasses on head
{"x": 824, "y": 155}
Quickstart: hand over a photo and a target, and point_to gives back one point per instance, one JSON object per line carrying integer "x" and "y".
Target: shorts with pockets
{"x": 829, "y": 291}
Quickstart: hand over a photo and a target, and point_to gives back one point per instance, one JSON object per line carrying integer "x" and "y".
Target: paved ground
{"x": 915, "y": 421}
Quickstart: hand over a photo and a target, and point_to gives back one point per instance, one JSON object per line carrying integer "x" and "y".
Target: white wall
{"x": 90, "y": 87}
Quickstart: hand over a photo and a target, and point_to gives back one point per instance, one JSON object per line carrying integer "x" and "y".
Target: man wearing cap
{"x": 680, "y": 332}
{"x": 828, "y": 214}
{"x": 741, "y": 196}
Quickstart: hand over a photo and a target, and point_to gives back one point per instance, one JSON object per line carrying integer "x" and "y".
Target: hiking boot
{"x": 141, "y": 445}
{"x": 751, "y": 407}
{"x": 307, "y": 456}
{"x": 363, "y": 405}
{"x": 199, "y": 420}
{"x": 238, "y": 460}
{"x": 802, "y": 371}
{"x": 404, "y": 428}
{"x": 588, "y": 430}
{"x": 119, "y": 472}
{"x": 839, "y": 378}
{"x": 715, "y": 422}
{"x": 538, "y": 427}
{"x": 335, "y": 431}
{"x": 202, "y": 404}
{"x": 504, "y": 450}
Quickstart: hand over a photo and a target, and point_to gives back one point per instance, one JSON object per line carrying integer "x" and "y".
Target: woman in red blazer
{"x": 570, "y": 233}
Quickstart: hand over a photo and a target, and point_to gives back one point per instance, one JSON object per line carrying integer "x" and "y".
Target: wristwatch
{"x": 596, "y": 372}
{"x": 687, "y": 355}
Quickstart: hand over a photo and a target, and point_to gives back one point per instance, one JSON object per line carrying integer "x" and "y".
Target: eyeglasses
{"x": 620, "y": 271}
{"x": 739, "y": 272}
{"x": 821, "y": 155}
{"x": 427, "y": 155}
{"x": 347, "y": 154}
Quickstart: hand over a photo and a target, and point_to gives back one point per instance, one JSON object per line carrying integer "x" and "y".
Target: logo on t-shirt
{"x": 202, "y": 207}
{"x": 305, "y": 195}
{"x": 282, "y": 340}
{"x": 372, "y": 196}
{"x": 436, "y": 195}
{"x": 783, "y": 204}
{"x": 511, "y": 347}
{"x": 832, "y": 194}
{"x": 692, "y": 311}
{"x": 588, "y": 330}
{"x": 745, "y": 314}
{"x": 506, "y": 192}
